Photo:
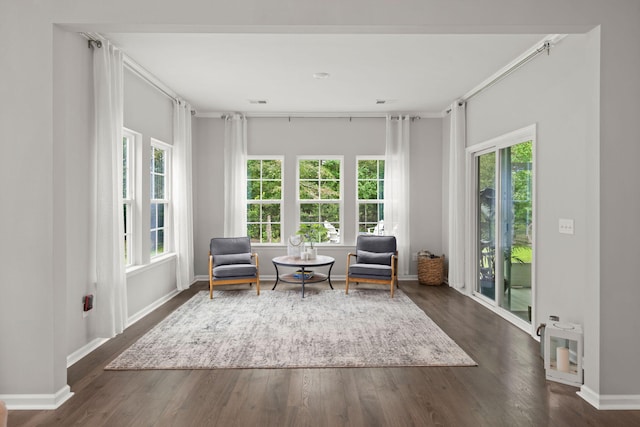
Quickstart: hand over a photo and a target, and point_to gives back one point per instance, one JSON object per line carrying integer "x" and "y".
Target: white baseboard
{"x": 148, "y": 309}
{"x": 610, "y": 402}
{"x": 88, "y": 348}
{"x": 84, "y": 350}
{"x": 34, "y": 402}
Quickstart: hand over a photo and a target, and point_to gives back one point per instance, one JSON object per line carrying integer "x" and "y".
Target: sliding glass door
{"x": 486, "y": 208}
{"x": 504, "y": 225}
{"x": 516, "y": 223}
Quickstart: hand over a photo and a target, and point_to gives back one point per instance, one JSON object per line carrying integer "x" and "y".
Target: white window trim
{"x": 132, "y": 199}
{"x": 356, "y": 180}
{"x": 281, "y": 201}
{"x": 339, "y": 201}
{"x": 168, "y": 214}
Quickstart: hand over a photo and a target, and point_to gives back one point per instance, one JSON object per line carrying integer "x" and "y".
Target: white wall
{"x": 558, "y": 93}
{"x": 208, "y": 188}
{"x": 73, "y": 118}
{"x": 30, "y": 358}
{"x": 148, "y": 112}
{"x": 317, "y": 136}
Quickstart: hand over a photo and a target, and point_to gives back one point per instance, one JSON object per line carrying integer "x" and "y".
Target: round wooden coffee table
{"x": 303, "y": 266}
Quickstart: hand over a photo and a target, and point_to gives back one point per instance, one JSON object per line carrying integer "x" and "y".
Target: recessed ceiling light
{"x": 321, "y": 75}
{"x": 257, "y": 101}
{"x": 380, "y": 101}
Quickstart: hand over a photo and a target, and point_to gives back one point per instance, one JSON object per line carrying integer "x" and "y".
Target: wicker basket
{"x": 430, "y": 270}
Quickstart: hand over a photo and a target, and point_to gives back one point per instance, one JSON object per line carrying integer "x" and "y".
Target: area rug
{"x": 279, "y": 329}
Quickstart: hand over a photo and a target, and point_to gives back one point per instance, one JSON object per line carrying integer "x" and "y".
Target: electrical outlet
{"x": 87, "y": 302}
{"x": 565, "y": 226}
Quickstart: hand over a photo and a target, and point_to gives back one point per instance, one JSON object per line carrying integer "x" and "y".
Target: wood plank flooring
{"x": 507, "y": 388}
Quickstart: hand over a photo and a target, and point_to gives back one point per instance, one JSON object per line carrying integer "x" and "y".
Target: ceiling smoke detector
{"x": 257, "y": 101}
{"x": 321, "y": 75}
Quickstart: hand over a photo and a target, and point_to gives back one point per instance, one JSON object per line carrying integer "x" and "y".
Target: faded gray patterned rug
{"x": 279, "y": 329}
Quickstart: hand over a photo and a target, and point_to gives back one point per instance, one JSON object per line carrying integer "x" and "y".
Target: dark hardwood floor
{"x": 507, "y": 388}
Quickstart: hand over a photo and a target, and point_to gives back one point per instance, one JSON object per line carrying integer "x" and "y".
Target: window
{"x": 160, "y": 196}
{"x": 264, "y": 199}
{"x": 370, "y": 188}
{"x": 128, "y": 140}
{"x": 320, "y": 194}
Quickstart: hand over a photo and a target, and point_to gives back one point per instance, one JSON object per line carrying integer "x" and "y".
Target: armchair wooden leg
{"x": 346, "y": 287}
{"x": 258, "y": 287}
{"x": 210, "y": 290}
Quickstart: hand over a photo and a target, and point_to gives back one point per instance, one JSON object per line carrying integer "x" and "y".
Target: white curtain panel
{"x": 111, "y": 294}
{"x": 235, "y": 176}
{"x": 183, "y": 194}
{"x": 457, "y": 210}
{"x": 396, "y": 187}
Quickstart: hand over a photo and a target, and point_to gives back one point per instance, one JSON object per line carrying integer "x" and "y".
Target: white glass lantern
{"x": 563, "y": 353}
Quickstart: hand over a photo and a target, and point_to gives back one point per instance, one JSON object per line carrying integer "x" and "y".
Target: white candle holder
{"x": 563, "y": 353}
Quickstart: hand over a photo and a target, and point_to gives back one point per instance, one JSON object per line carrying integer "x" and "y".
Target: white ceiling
{"x": 415, "y": 73}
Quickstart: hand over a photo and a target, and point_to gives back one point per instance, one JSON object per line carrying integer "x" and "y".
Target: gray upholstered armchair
{"x": 376, "y": 262}
{"x": 231, "y": 262}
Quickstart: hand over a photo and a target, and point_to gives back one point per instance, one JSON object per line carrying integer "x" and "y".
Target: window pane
{"x": 330, "y": 190}
{"x": 330, "y": 212}
{"x": 271, "y": 212}
{"x": 161, "y": 209}
{"x": 309, "y": 190}
{"x": 369, "y": 212}
{"x": 381, "y": 169}
{"x": 330, "y": 169}
{"x": 158, "y": 160}
{"x": 154, "y": 216}
{"x": 253, "y": 212}
{"x": 367, "y": 190}
{"x": 367, "y": 169}
{"x": 308, "y": 169}
{"x": 126, "y": 223}
{"x": 253, "y": 190}
{"x": 253, "y": 169}
{"x": 158, "y": 187}
{"x": 253, "y": 231}
{"x": 125, "y": 168}
{"x": 271, "y": 190}
{"x": 309, "y": 212}
{"x": 154, "y": 242}
{"x": 160, "y": 246}
{"x": 270, "y": 233}
{"x": 272, "y": 169}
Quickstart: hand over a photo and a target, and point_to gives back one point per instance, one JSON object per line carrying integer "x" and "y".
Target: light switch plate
{"x": 565, "y": 226}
